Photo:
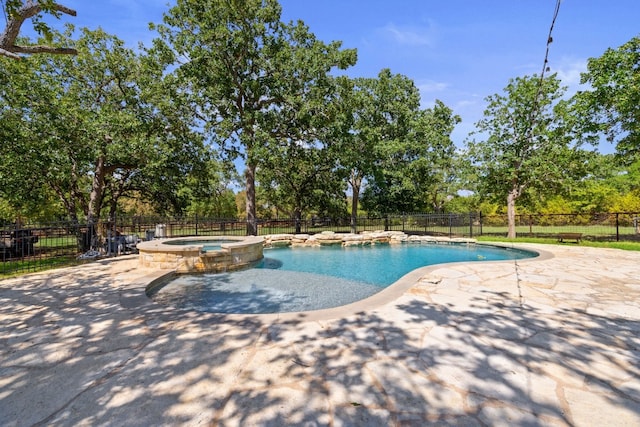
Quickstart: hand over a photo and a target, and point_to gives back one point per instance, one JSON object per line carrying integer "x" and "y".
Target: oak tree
{"x": 525, "y": 145}
{"x": 91, "y": 127}
{"x": 240, "y": 66}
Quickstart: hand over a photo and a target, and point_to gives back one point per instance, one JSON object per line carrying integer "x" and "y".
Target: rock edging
{"x": 328, "y": 238}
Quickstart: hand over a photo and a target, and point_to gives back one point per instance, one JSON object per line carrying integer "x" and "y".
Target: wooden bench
{"x": 569, "y": 236}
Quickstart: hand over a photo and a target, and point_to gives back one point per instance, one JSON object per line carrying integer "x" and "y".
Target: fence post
{"x": 196, "y": 218}
{"x": 530, "y": 225}
{"x": 617, "y": 227}
{"x": 480, "y": 218}
{"x": 450, "y": 224}
{"x": 470, "y": 225}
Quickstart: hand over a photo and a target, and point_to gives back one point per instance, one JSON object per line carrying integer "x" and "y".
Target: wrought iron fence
{"x": 37, "y": 246}
{"x": 617, "y": 226}
{"x": 33, "y": 247}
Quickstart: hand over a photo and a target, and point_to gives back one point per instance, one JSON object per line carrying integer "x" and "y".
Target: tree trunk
{"x": 297, "y": 214}
{"x": 113, "y": 207}
{"x": 97, "y": 190}
{"x": 511, "y": 212}
{"x": 95, "y": 200}
{"x": 437, "y": 205}
{"x": 356, "y": 182}
{"x": 250, "y": 178}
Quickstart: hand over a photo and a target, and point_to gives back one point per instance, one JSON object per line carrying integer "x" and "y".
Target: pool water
{"x": 207, "y": 245}
{"x": 379, "y": 265}
{"x": 302, "y": 279}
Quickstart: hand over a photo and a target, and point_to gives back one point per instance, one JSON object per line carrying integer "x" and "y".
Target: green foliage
{"x": 611, "y": 188}
{"x": 45, "y": 208}
{"x": 389, "y": 105}
{"x": 629, "y": 202}
{"x": 514, "y": 152}
{"x": 299, "y": 176}
{"x": 612, "y": 106}
{"x": 219, "y": 205}
{"x": 88, "y": 133}
{"x": 526, "y": 150}
{"x": 404, "y": 154}
{"x": 16, "y": 13}
{"x": 92, "y": 128}
{"x": 251, "y": 78}
{"x": 433, "y": 170}
{"x": 208, "y": 194}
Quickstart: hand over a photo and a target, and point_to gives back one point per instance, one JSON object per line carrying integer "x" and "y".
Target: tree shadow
{"x": 71, "y": 353}
{"x": 515, "y": 354}
{"x": 493, "y": 361}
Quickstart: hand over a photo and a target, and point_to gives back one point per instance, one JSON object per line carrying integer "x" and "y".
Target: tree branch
{"x": 11, "y": 32}
{"x": 4, "y": 52}
{"x": 42, "y": 49}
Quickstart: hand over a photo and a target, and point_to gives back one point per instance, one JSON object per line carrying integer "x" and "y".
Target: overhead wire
{"x": 545, "y": 68}
{"x": 545, "y": 65}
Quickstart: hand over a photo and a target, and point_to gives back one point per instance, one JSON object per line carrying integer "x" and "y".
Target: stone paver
{"x": 551, "y": 341}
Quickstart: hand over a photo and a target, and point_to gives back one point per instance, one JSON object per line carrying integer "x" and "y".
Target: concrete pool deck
{"x": 549, "y": 341}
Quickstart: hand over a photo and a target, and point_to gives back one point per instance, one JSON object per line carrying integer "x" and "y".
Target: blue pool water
{"x": 379, "y": 265}
{"x": 302, "y": 279}
{"x": 207, "y": 245}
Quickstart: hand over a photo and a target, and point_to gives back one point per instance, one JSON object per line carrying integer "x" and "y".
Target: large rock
{"x": 328, "y": 238}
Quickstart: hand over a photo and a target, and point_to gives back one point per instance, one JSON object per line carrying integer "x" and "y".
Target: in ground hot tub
{"x": 210, "y": 254}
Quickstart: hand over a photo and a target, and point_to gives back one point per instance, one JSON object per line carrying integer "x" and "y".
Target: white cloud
{"x": 466, "y": 103}
{"x": 410, "y": 35}
{"x": 431, "y": 86}
{"x": 569, "y": 71}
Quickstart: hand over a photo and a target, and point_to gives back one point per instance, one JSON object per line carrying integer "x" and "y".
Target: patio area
{"x": 551, "y": 341}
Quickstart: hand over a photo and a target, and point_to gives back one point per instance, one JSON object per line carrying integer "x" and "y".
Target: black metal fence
{"x": 37, "y": 246}
{"x": 617, "y": 226}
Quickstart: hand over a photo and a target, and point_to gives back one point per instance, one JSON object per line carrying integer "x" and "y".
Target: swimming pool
{"x": 312, "y": 278}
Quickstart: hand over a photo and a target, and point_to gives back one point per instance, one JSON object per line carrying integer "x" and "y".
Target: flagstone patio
{"x": 547, "y": 341}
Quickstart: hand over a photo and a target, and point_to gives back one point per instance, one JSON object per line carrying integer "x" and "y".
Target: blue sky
{"x": 458, "y": 51}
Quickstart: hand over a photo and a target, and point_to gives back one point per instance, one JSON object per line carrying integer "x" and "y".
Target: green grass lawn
{"x": 627, "y": 246}
{"x": 591, "y": 230}
{"x": 57, "y": 242}
{"x": 19, "y": 267}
